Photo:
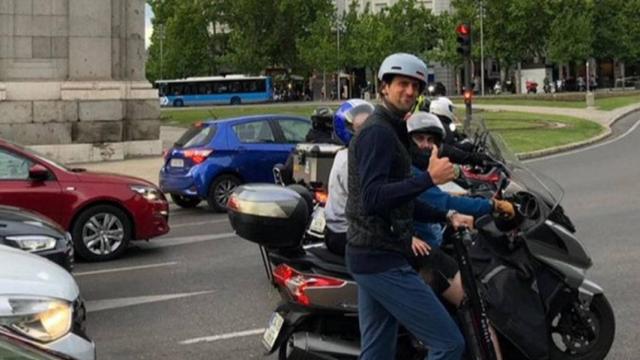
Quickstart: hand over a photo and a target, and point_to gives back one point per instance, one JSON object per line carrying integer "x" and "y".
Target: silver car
{"x": 40, "y": 302}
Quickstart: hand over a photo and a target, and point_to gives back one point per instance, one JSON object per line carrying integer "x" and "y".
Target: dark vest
{"x": 393, "y": 229}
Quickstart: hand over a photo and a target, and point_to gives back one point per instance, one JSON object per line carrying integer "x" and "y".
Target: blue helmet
{"x": 345, "y": 115}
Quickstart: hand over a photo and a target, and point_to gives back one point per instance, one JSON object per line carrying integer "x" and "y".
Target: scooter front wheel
{"x": 580, "y": 333}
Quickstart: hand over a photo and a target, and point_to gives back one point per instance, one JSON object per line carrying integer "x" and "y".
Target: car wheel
{"x": 186, "y": 202}
{"x": 236, "y": 100}
{"x": 101, "y": 233}
{"x": 220, "y": 190}
{"x": 178, "y": 103}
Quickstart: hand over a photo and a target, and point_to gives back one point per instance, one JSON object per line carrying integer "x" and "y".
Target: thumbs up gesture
{"x": 441, "y": 170}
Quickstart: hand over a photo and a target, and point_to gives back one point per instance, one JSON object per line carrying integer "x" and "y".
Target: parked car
{"x": 103, "y": 212}
{"x": 41, "y": 304}
{"x": 36, "y": 234}
{"x": 215, "y": 156}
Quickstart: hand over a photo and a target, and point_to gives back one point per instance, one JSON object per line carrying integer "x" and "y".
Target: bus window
{"x": 235, "y": 87}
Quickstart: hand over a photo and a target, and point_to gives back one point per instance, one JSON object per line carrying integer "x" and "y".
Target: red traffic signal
{"x": 464, "y": 39}
{"x": 468, "y": 96}
{"x": 463, "y": 30}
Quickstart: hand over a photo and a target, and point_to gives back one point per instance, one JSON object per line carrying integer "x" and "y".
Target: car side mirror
{"x": 38, "y": 173}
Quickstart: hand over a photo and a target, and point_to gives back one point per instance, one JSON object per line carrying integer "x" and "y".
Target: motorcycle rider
{"x": 348, "y": 119}
{"x": 321, "y": 126}
{"x": 454, "y": 146}
{"x": 321, "y": 132}
{"x": 380, "y": 210}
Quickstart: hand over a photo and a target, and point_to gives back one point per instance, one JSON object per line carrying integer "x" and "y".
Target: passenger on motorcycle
{"x": 427, "y": 132}
{"x": 348, "y": 119}
{"x": 380, "y": 210}
{"x": 438, "y": 268}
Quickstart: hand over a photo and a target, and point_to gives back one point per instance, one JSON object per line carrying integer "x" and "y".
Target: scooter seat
{"x": 328, "y": 262}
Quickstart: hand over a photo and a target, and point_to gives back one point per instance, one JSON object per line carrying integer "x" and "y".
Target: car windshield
{"x": 490, "y": 141}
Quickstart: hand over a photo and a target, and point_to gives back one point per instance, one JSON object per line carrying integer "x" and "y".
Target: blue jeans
{"x": 400, "y": 296}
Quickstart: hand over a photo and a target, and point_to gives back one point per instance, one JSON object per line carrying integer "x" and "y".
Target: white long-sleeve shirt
{"x": 334, "y": 210}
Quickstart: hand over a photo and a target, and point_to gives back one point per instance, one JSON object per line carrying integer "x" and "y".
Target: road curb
{"x": 567, "y": 147}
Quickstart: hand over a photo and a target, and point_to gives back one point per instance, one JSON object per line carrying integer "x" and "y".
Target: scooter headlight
{"x": 40, "y": 319}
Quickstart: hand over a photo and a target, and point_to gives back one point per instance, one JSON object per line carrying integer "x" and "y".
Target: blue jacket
{"x": 432, "y": 232}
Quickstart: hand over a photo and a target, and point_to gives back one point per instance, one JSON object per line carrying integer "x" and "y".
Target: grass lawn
{"x": 603, "y": 103}
{"x": 188, "y": 116}
{"x": 616, "y": 102}
{"x": 527, "y": 102}
{"x": 525, "y": 132}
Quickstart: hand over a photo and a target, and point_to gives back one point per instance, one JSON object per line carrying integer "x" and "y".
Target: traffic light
{"x": 464, "y": 39}
{"x": 468, "y": 96}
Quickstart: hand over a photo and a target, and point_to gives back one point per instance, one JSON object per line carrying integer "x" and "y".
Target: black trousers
{"x": 336, "y": 242}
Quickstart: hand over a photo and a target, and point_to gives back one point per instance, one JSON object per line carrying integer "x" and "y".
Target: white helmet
{"x": 442, "y": 106}
{"x": 404, "y": 64}
{"x": 424, "y": 122}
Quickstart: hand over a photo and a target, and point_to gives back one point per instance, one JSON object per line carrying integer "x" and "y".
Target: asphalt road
{"x": 201, "y": 293}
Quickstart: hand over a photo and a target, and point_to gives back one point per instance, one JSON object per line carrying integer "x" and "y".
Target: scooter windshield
{"x": 520, "y": 176}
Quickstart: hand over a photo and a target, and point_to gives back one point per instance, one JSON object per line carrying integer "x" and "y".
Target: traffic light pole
{"x": 467, "y": 87}
{"x": 464, "y": 48}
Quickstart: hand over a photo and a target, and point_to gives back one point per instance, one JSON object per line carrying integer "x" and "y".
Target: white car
{"x": 40, "y": 302}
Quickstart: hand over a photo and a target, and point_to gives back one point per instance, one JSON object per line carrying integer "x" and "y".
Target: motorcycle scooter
{"x": 318, "y": 316}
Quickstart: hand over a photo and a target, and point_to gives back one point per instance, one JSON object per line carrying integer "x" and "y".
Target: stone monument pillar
{"x": 72, "y": 79}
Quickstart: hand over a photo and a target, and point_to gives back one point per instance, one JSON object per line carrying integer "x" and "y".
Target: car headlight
{"x": 33, "y": 243}
{"x": 40, "y": 319}
{"x": 147, "y": 192}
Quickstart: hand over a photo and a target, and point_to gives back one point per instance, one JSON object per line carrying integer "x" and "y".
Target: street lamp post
{"x": 481, "y": 48}
{"x": 161, "y": 30}
{"x": 338, "y": 57}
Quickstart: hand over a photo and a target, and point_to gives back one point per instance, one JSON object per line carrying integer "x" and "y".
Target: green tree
{"x": 186, "y": 41}
{"x": 630, "y": 31}
{"x": 571, "y": 33}
{"x": 265, "y": 33}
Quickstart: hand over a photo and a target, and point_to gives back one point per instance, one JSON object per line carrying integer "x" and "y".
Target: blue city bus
{"x": 230, "y": 89}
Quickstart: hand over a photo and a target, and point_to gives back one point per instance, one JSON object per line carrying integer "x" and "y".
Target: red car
{"x": 103, "y": 212}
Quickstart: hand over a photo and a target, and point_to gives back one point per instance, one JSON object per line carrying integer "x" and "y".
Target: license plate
{"x": 177, "y": 163}
{"x": 273, "y": 330}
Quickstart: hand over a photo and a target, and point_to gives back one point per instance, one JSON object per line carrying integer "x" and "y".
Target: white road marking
{"x": 182, "y": 240}
{"x": 198, "y": 223}
{"x": 223, "y": 336}
{"x": 108, "y": 304}
{"x": 590, "y": 147}
{"x": 127, "y": 268}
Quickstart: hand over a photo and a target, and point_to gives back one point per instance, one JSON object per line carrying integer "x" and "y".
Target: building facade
{"x": 72, "y": 72}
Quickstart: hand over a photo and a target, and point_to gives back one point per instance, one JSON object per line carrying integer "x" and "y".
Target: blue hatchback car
{"x": 215, "y": 156}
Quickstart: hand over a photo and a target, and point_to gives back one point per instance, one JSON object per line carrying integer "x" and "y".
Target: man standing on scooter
{"x": 381, "y": 209}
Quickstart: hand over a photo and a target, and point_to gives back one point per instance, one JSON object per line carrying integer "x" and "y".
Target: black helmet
{"x": 322, "y": 117}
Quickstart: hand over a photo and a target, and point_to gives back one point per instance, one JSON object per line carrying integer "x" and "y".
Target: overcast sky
{"x": 148, "y": 29}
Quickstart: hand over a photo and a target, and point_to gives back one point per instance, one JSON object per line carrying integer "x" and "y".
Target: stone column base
{"x": 84, "y": 153}
{"x": 54, "y": 112}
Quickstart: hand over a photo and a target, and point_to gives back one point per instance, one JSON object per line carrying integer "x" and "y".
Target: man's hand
{"x": 458, "y": 220}
{"x": 420, "y": 247}
{"x": 440, "y": 170}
